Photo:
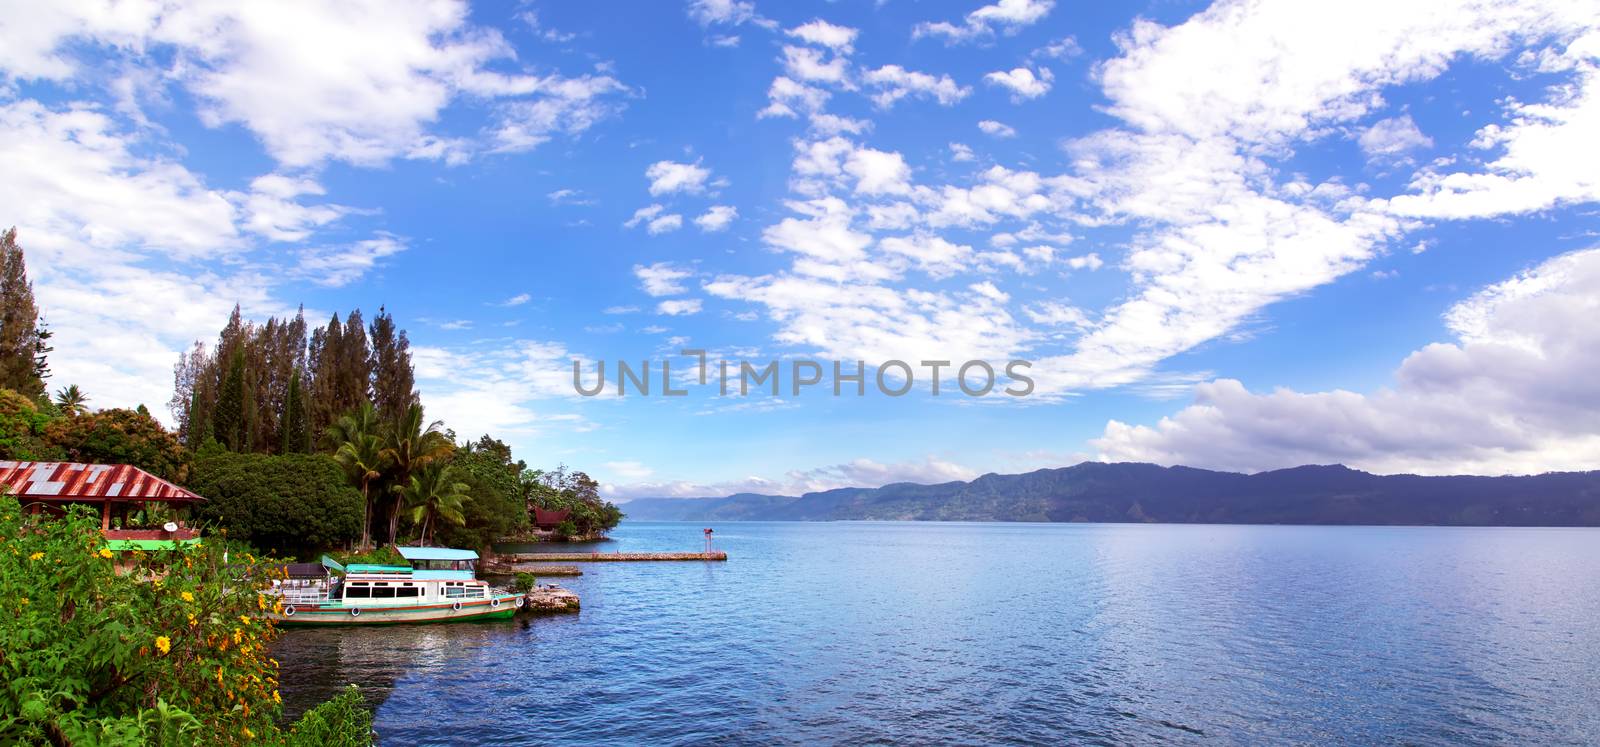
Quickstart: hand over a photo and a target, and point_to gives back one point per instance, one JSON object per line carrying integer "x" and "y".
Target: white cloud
{"x": 339, "y": 266}
{"x": 807, "y": 64}
{"x": 664, "y": 224}
{"x": 517, "y": 300}
{"x": 996, "y": 129}
{"x": 895, "y": 83}
{"x": 661, "y": 278}
{"x": 359, "y": 82}
{"x": 840, "y": 39}
{"x": 1090, "y": 261}
{"x": 272, "y": 210}
{"x": 1394, "y": 136}
{"x": 727, "y": 13}
{"x": 878, "y": 172}
{"x": 569, "y": 197}
{"x": 1064, "y": 48}
{"x": 1513, "y": 394}
{"x": 961, "y": 153}
{"x": 667, "y": 177}
{"x": 1007, "y": 15}
{"x": 679, "y": 306}
{"x": 862, "y": 473}
{"x": 1023, "y": 82}
{"x": 717, "y": 218}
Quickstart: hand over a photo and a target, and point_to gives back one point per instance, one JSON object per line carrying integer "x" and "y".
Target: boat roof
{"x": 436, "y": 553}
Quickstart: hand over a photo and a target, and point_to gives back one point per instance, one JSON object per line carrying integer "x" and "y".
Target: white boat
{"x": 438, "y": 584}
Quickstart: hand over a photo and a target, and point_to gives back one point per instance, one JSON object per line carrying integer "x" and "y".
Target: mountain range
{"x": 1132, "y": 492}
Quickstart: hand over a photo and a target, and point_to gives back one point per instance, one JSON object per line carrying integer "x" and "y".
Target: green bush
{"x": 525, "y": 582}
{"x": 497, "y": 508}
{"x": 89, "y": 655}
{"x": 293, "y": 503}
{"x": 343, "y": 721}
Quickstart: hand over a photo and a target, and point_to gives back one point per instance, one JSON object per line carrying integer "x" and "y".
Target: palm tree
{"x": 410, "y": 447}
{"x": 432, "y": 494}
{"x": 360, "y": 451}
{"x": 72, "y": 401}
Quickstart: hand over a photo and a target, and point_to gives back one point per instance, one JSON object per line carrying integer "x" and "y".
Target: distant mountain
{"x": 1129, "y": 492}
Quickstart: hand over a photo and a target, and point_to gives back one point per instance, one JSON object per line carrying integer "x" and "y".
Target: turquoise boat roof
{"x": 437, "y": 553}
{"x": 369, "y": 568}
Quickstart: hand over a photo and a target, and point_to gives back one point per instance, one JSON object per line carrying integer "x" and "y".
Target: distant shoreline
{"x": 1133, "y": 493}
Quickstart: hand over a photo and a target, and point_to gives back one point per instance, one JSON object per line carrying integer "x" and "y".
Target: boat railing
{"x": 294, "y": 593}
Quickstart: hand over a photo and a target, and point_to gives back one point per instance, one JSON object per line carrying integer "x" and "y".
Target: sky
{"x": 1240, "y": 235}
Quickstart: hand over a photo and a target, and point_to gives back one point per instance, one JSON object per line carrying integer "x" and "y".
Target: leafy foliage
{"x": 433, "y": 497}
{"x": 578, "y": 493}
{"x": 343, "y": 721}
{"x": 293, "y": 501}
{"x": 118, "y": 436}
{"x": 22, "y": 427}
{"x": 498, "y": 505}
{"x": 172, "y": 651}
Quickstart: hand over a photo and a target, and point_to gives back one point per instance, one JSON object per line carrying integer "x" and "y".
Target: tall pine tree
{"x": 295, "y": 431}
{"x": 393, "y": 379}
{"x": 228, "y": 419}
{"x": 22, "y": 339}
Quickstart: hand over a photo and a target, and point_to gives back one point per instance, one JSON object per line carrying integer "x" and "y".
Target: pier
{"x": 610, "y": 557}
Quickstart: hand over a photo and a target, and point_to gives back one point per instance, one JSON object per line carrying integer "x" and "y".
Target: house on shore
{"x": 130, "y": 501}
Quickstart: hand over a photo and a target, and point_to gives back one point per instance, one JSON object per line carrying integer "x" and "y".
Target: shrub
{"x": 525, "y": 582}
{"x": 343, "y": 721}
{"x": 171, "y": 652}
{"x": 292, "y": 502}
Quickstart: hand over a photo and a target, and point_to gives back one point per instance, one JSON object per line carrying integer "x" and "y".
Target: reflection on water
{"x": 1015, "y": 633}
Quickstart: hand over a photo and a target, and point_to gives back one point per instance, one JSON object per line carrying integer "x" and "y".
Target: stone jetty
{"x": 547, "y": 599}
{"x": 602, "y": 557}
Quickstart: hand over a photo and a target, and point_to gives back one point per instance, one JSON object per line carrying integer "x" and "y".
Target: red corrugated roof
{"x": 73, "y": 481}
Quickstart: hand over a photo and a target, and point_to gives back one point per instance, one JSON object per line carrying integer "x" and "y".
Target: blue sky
{"x": 1241, "y": 235}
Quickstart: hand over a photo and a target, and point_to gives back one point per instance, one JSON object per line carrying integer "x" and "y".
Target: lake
{"x": 883, "y": 632}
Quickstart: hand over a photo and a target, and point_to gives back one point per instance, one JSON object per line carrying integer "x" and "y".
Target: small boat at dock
{"x": 437, "y": 585}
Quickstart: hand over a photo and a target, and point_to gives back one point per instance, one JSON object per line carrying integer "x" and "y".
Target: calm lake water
{"x": 881, "y": 633}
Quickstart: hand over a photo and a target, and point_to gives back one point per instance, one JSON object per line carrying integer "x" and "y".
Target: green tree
{"x": 291, "y": 504}
{"x": 22, "y": 338}
{"x": 411, "y": 446}
{"x": 120, "y": 436}
{"x": 360, "y": 451}
{"x": 393, "y": 380}
{"x": 578, "y": 493}
{"x": 72, "y": 401}
{"x": 228, "y": 418}
{"x": 433, "y": 495}
{"x": 22, "y": 429}
{"x": 498, "y": 506}
{"x": 295, "y": 432}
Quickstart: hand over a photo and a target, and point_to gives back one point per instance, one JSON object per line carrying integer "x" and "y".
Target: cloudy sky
{"x": 1237, "y": 235}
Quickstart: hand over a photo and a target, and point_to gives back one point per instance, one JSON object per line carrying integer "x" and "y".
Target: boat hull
{"x": 338, "y": 614}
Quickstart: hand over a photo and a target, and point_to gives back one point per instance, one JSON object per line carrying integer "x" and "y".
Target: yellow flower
{"x": 261, "y": 602}
{"x": 163, "y": 644}
{"x": 105, "y": 553}
{"x": 36, "y": 556}
{"x": 275, "y": 697}
{"x": 191, "y": 619}
{"x": 247, "y": 733}
{"x": 187, "y": 597}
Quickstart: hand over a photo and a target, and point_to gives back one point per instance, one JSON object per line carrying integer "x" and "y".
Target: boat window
{"x": 406, "y": 591}
{"x": 383, "y": 592}
{"x": 357, "y": 592}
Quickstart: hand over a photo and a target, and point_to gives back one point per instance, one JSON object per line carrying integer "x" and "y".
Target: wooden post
{"x": 105, "y": 515}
